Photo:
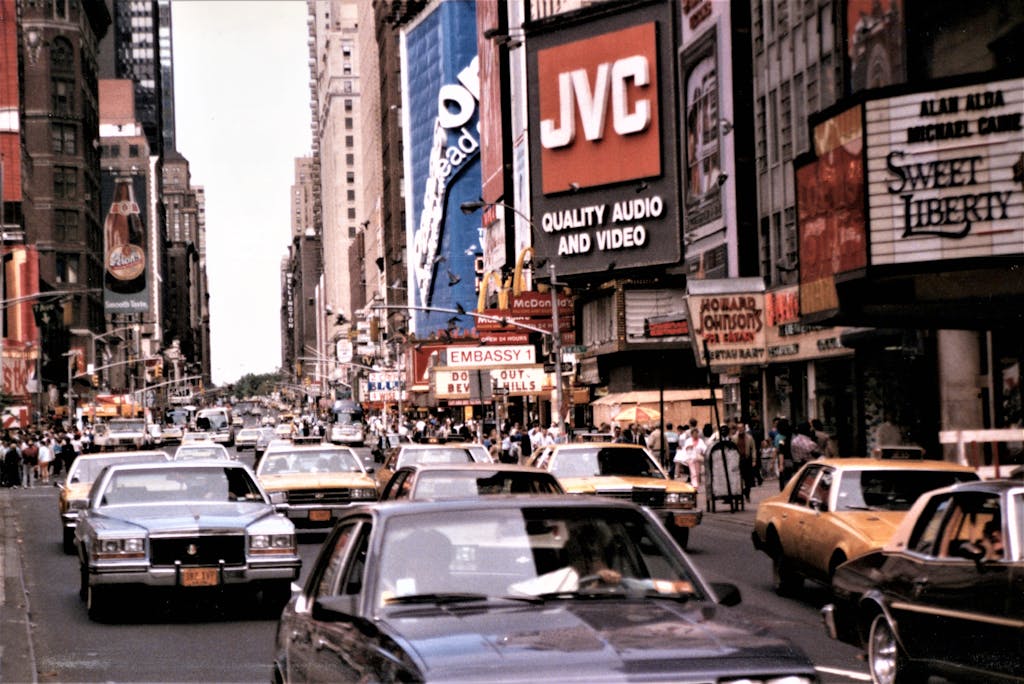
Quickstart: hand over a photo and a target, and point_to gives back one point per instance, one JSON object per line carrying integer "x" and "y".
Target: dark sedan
{"x": 467, "y": 480}
{"x": 946, "y": 594}
{"x": 517, "y": 588}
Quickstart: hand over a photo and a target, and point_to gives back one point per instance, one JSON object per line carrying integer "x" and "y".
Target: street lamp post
{"x": 556, "y": 334}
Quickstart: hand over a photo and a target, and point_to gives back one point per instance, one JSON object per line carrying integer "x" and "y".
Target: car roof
{"x": 107, "y": 455}
{"x": 399, "y": 507}
{"x": 174, "y": 465}
{"x": 890, "y": 464}
{"x": 474, "y": 466}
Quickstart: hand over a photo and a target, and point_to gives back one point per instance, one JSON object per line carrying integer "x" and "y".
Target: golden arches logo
{"x": 481, "y": 303}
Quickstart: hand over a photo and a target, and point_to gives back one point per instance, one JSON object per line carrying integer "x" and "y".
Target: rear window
{"x": 893, "y": 490}
{"x": 442, "y": 455}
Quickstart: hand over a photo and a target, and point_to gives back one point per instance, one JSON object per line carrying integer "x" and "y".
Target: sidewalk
{"x": 744, "y": 516}
{"x": 17, "y": 656}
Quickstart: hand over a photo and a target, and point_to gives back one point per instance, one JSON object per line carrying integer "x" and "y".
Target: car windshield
{"x": 462, "y": 485}
{"x": 127, "y": 425}
{"x": 412, "y": 455}
{"x": 528, "y": 552}
{"x": 312, "y": 461}
{"x": 88, "y": 469}
{"x": 198, "y": 452}
{"x": 606, "y": 461}
{"x": 890, "y": 489}
{"x": 176, "y": 485}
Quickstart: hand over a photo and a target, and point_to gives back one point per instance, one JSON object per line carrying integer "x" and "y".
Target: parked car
{"x": 414, "y": 452}
{"x": 840, "y": 508}
{"x": 553, "y": 588}
{"x": 74, "y": 491}
{"x": 247, "y": 438}
{"x": 623, "y": 471}
{"x": 202, "y": 450}
{"x": 944, "y": 595}
{"x": 468, "y": 480}
{"x": 315, "y": 483}
{"x": 188, "y": 526}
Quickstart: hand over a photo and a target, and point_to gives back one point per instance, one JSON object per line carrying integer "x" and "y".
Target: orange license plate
{"x": 319, "y": 516}
{"x": 200, "y": 577}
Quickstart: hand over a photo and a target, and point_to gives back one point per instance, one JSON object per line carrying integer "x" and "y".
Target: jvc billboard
{"x": 442, "y": 162}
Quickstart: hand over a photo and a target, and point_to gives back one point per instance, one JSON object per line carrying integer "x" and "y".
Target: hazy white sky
{"x": 241, "y": 84}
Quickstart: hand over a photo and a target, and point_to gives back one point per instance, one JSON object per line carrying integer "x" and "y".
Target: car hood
{"x": 582, "y": 640}
{"x": 873, "y": 527}
{"x": 185, "y": 517}
{"x": 315, "y": 481}
{"x": 590, "y": 485}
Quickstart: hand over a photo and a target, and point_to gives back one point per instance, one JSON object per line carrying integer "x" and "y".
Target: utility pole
{"x": 556, "y": 350}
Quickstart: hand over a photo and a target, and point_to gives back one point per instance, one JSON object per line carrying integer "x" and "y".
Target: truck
{"x": 122, "y": 433}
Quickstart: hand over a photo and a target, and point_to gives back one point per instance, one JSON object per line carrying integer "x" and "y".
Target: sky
{"x": 241, "y": 82}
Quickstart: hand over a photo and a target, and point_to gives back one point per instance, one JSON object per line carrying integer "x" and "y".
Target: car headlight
{"x": 116, "y": 549}
{"x": 364, "y": 493}
{"x": 672, "y": 498}
{"x": 272, "y": 543}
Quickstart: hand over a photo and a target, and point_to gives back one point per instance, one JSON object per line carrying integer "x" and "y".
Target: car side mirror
{"x": 728, "y": 594}
{"x": 334, "y": 609}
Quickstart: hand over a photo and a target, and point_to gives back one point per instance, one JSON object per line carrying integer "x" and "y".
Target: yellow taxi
{"x": 312, "y": 484}
{"x": 835, "y": 509}
{"x": 74, "y": 491}
{"x": 623, "y": 471}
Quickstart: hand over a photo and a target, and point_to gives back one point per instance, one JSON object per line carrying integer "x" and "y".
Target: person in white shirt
{"x": 690, "y": 458}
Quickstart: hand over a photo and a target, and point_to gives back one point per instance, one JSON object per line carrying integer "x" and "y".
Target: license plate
{"x": 685, "y": 520}
{"x": 319, "y": 516}
{"x": 200, "y": 577}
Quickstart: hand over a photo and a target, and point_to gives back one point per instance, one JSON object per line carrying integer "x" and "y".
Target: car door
{"x": 398, "y": 486}
{"x": 343, "y": 652}
{"x": 819, "y": 536}
{"x": 970, "y": 598}
{"x": 796, "y": 515}
{"x": 302, "y": 654}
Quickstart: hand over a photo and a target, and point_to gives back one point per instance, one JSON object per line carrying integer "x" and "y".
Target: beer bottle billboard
{"x": 125, "y": 262}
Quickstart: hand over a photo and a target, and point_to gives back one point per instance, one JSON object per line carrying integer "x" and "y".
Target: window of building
{"x": 786, "y": 132}
{"x": 346, "y": 86}
{"x": 348, "y": 123}
{"x": 350, "y": 195}
{"x": 758, "y": 26}
{"x": 773, "y": 122}
{"x": 352, "y": 213}
{"x": 64, "y": 138}
{"x": 65, "y": 225}
{"x": 346, "y": 69}
{"x": 350, "y": 142}
{"x": 800, "y": 114}
{"x": 783, "y": 17}
{"x": 827, "y": 82}
{"x": 63, "y": 100}
{"x": 812, "y": 88}
{"x": 350, "y": 159}
{"x": 764, "y": 247}
{"x": 67, "y": 268}
{"x": 350, "y": 177}
{"x": 65, "y": 182}
{"x": 348, "y": 105}
{"x": 62, "y": 56}
{"x": 133, "y": 150}
{"x": 762, "y": 132}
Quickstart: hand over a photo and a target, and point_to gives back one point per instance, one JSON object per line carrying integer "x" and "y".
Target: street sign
{"x": 501, "y": 391}
{"x": 550, "y": 367}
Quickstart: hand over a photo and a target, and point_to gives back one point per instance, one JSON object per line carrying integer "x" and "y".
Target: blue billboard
{"x": 440, "y": 86}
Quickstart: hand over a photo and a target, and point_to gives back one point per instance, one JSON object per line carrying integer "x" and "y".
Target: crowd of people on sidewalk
{"x": 38, "y": 456}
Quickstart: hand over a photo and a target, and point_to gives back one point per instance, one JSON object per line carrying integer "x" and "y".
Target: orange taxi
{"x": 623, "y": 471}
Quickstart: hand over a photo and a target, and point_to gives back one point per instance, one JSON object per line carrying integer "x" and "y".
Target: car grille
{"x": 644, "y": 496}
{"x": 198, "y": 550}
{"x": 319, "y": 497}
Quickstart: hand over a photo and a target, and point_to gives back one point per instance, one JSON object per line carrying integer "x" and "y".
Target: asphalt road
{"x": 44, "y": 623}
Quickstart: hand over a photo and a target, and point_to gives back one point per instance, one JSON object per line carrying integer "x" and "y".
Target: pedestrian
{"x": 783, "y": 455}
{"x": 822, "y": 439}
{"x": 768, "y": 465}
{"x": 626, "y": 437}
{"x": 803, "y": 447}
{"x": 654, "y": 443}
{"x": 11, "y": 468}
{"x": 66, "y": 454}
{"x": 748, "y": 457}
{"x": 30, "y": 462}
{"x": 690, "y": 458}
{"x": 671, "y": 444}
{"x": 617, "y": 435}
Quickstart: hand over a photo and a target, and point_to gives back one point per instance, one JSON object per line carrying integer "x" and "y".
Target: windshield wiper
{"x": 438, "y": 598}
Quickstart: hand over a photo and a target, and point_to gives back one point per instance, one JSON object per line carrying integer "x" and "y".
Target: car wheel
{"x": 886, "y": 661}
{"x": 785, "y": 580}
{"x": 681, "y": 535}
{"x": 83, "y": 587}
{"x": 98, "y": 602}
{"x": 276, "y": 596}
{"x": 69, "y": 541}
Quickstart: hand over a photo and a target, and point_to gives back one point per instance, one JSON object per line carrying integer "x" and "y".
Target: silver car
{"x": 187, "y": 526}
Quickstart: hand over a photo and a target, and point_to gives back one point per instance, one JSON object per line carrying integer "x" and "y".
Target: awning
{"x": 650, "y": 397}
